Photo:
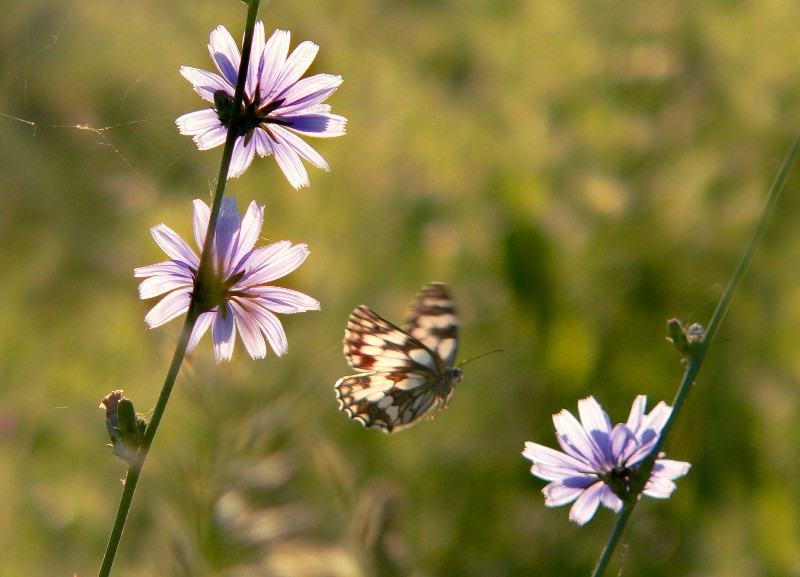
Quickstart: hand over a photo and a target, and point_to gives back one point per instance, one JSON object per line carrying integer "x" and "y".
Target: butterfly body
{"x": 408, "y": 373}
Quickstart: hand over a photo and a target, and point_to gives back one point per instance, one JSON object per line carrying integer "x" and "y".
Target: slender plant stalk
{"x": 233, "y": 133}
{"x": 135, "y": 469}
{"x": 696, "y": 361}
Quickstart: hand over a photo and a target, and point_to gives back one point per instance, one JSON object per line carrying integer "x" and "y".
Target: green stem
{"x": 616, "y": 532}
{"x": 693, "y": 367}
{"x": 694, "y": 364}
{"x": 233, "y": 134}
{"x": 135, "y": 469}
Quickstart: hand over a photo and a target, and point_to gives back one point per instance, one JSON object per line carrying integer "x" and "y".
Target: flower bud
{"x": 685, "y": 339}
{"x": 124, "y": 426}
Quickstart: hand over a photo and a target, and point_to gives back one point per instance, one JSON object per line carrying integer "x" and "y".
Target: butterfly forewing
{"x": 432, "y": 319}
{"x": 409, "y": 372}
{"x": 371, "y": 343}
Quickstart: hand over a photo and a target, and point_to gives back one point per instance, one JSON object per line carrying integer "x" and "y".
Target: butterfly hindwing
{"x": 379, "y": 400}
{"x": 409, "y": 372}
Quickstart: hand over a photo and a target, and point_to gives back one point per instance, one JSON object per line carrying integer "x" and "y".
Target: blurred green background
{"x": 579, "y": 172}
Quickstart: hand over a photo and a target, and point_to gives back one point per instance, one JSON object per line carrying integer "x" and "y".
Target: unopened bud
{"x": 124, "y": 426}
{"x": 685, "y": 339}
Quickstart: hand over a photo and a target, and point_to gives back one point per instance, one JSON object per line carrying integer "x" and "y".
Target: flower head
{"x": 598, "y": 462}
{"x": 279, "y": 106}
{"x": 235, "y": 295}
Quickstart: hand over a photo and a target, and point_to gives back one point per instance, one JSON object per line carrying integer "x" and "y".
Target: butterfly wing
{"x": 387, "y": 401}
{"x": 432, "y": 320}
{"x": 371, "y": 343}
{"x": 403, "y": 379}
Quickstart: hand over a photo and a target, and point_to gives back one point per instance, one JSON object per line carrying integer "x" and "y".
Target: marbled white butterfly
{"x": 409, "y": 373}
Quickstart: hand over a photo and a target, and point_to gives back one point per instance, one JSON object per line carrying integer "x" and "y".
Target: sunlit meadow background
{"x": 579, "y": 172}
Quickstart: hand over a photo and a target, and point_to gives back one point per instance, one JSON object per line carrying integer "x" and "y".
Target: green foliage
{"x": 578, "y": 172}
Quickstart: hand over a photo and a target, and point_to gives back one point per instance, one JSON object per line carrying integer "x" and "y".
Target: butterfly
{"x": 409, "y": 373}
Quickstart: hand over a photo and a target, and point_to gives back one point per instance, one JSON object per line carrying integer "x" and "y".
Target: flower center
{"x": 253, "y": 114}
{"x": 211, "y": 291}
{"x": 618, "y": 480}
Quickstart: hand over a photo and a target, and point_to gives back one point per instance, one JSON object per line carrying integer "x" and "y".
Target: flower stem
{"x": 135, "y": 469}
{"x": 233, "y": 134}
{"x": 616, "y": 532}
{"x": 693, "y": 367}
{"x": 696, "y": 361}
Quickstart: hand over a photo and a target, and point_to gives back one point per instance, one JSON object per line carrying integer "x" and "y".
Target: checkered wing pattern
{"x": 404, "y": 377}
{"x": 432, "y": 320}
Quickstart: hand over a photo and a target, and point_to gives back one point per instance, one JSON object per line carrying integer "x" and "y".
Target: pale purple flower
{"x": 599, "y": 461}
{"x": 279, "y": 106}
{"x": 236, "y": 295}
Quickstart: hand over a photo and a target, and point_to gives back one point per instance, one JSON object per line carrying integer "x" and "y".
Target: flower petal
{"x": 558, "y": 495}
{"x": 638, "y": 410}
{"x": 254, "y": 64}
{"x": 211, "y": 139}
{"x": 574, "y": 440}
{"x": 249, "y": 231}
{"x": 593, "y": 417}
{"x": 289, "y": 162}
{"x": 272, "y": 63}
{"x": 575, "y": 477}
{"x": 242, "y": 156}
{"x": 659, "y": 488}
{"x": 168, "y": 267}
{"x": 199, "y": 122}
{"x": 308, "y": 92}
{"x": 318, "y": 125}
{"x": 623, "y": 445}
{"x": 173, "y": 305}
{"x": 542, "y": 455}
{"x": 597, "y": 425}
{"x": 201, "y": 217}
{"x": 610, "y": 500}
{"x": 656, "y": 420}
{"x": 225, "y": 53}
{"x": 272, "y": 262}
{"x": 650, "y": 430}
{"x": 200, "y": 328}
{"x": 249, "y": 330}
{"x": 223, "y": 334}
{"x": 174, "y": 246}
{"x": 669, "y": 469}
{"x": 206, "y": 83}
{"x": 263, "y": 142}
{"x": 301, "y": 147}
{"x": 227, "y": 235}
{"x": 284, "y": 301}
{"x": 586, "y": 505}
{"x": 269, "y": 325}
{"x": 296, "y": 65}
{"x": 158, "y": 285}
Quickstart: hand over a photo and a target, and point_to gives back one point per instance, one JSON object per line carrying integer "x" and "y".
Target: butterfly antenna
{"x": 462, "y": 363}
